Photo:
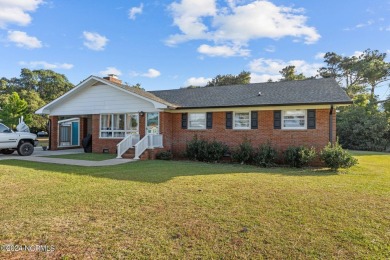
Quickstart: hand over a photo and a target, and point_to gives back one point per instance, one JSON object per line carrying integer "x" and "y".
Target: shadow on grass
{"x": 162, "y": 171}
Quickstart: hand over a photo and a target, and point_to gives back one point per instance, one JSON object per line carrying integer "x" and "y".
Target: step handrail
{"x": 149, "y": 141}
{"x": 125, "y": 145}
{"x": 141, "y": 146}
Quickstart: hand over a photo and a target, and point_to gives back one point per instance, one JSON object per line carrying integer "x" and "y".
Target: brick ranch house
{"x": 127, "y": 120}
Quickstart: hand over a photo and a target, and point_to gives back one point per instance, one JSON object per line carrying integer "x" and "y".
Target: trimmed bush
{"x": 265, "y": 155}
{"x": 299, "y": 156}
{"x": 244, "y": 152}
{"x": 335, "y": 157}
{"x": 215, "y": 151}
{"x": 201, "y": 150}
{"x": 196, "y": 149}
{"x": 164, "y": 155}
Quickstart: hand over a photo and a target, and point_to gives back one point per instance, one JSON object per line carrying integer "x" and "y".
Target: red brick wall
{"x": 54, "y": 132}
{"x": 166, "y": 129}
{"x": 280, "y": 139}
{"x": 175, "y": 138}
{"x": 98, "y": 144}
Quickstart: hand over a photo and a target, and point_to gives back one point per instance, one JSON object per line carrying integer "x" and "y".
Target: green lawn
{"x": 176, "y": 210}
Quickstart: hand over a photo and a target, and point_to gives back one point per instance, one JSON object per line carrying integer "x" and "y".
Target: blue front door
{"x": 75, "y": 133}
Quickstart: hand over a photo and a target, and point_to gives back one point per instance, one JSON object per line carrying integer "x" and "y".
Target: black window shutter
{"x": 311, "y": 119}
{"x": 229, "y": 120}
{"x": 277, "y": 119}
{"x": 254, "y": 124}
{"x": 184, "y": 117}
{"x": 209, "y": 120}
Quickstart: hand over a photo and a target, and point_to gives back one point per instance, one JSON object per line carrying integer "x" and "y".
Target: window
{"x": 197, "y": 121}
{"x": 3, "y": 129}
{"x": 152, "y": 124}
{"x": 294, "y": 119}
{"x": 118, "y": 125}
{"x": 132, "y": 123}
{"x": 242, "y": 120}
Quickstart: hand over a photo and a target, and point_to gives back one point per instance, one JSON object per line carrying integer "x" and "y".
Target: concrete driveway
{"x": 40, "y": 156}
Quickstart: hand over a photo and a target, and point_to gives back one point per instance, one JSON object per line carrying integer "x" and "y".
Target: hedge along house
{"x": 123, "y": 119}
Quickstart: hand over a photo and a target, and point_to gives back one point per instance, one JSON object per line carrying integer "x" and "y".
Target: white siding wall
{"x": 101, "y": 99}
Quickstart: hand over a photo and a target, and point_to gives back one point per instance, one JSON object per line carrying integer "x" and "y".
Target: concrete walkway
{"x": 40, "y": 156}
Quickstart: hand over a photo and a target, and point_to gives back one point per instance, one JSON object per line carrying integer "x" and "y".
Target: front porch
{"x": 114, "y": 133}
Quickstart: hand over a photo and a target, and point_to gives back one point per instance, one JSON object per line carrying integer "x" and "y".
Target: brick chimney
{"x": 113, "y": 78}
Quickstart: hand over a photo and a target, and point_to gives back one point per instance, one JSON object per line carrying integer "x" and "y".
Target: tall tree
{"x": 34, "y": 101}
{"x": 222, "y": 80}
{"x": 12, "y": 108}
{"x": 51, "y": 85}
{"x": 289, "y": 73}
{"x": 375, "y": 69}
{"x": 357, "y": 74}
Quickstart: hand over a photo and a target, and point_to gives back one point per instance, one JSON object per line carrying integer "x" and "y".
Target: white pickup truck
{"x": 11, "y": 141}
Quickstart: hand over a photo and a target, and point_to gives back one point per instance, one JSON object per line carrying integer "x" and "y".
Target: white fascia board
{"x": 46, "y": 109}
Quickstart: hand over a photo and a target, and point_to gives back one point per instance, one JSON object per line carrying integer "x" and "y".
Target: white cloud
{"x": 21, "y": 39}
{"x": 94, "y": 41}
{"x": 134, "y": 11}
{"x": 357, "y": 54}
{"x": 193, "y": 81}
{"x": 264, "y": 77}
{"x": 263, "y": 69}
{"x": 152, "y": 73}
{"x": 320, "y": 56}
{"x": 238, "y": 24}
{"x": 361, "y": 25}
{"x": 110, "y": 70}
{"x": 270, "y": 48}
{"x": 222, "y": 50}
{"x": 17, "y": 11}
{"x": 187, "y": 15}
{"x": 46, "y": 65}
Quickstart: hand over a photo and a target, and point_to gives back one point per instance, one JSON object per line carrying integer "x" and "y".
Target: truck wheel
{"x": 7, "y": 151}
{"x": 25, "y": 149}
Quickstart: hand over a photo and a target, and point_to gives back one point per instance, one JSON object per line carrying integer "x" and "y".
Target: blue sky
{"x": 171, "y": 44}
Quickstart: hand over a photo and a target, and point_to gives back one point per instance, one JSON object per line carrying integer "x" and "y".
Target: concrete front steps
{"x": 149, "y": 154}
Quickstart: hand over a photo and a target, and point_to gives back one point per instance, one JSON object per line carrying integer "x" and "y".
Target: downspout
{"x": 331, "y": 124}
{"x": 48, "y": 128}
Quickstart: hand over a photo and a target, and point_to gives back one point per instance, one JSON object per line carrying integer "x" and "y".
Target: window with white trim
{"x": 242, "y": 120}
{"x": 196, "y": 120}
{"x": 118, "y": 125}
{"x": 294, "y": 119}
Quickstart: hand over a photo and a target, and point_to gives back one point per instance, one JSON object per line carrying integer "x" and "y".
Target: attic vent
{"x": 259, "y": 94}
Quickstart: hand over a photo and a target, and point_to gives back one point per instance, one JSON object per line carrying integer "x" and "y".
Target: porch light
{"x": 141, "y": 113}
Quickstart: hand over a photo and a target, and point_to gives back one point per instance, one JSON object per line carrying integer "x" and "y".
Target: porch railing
{"x": 149, "y": 141}
{"x": 128, "y": 142}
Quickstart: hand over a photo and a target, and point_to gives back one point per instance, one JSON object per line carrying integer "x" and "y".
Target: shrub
{"x": 299, "y": 156}
{"x": 215, "y": 151}
{"x": 196, "y": 149}
{"x": 164, "y": 155}
{"x": 361, "y": 128}
{"x": 244, "y": 152}
{"x": 335, "y": 157}
{"x": 265, "y": 155}
{"x": 201, "y": 150}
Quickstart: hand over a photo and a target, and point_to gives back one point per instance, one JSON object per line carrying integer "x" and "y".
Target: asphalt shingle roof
{"x": 310, "y": 91}
{"x": 140, "y": 92}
